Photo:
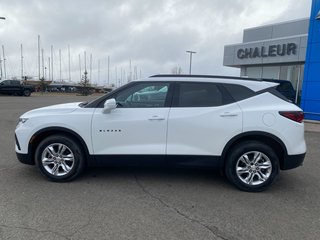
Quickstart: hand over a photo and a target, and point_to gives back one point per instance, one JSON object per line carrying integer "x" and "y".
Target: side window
{"x": 143, "y": 95}
{"x": 285, "y": 87}
{"x": 199, "y": 95}
{"x": 15, "y": 82}
{"x": 239, "y": 92}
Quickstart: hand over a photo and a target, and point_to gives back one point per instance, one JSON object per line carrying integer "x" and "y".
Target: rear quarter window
{"x": 200, "y": 95}
{"x": 239, "y": 92}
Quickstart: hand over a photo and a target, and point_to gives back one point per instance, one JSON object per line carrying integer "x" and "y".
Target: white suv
{"x": 241, "y": 125}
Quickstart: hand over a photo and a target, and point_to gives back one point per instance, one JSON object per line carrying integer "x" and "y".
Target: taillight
{"x": 296, "y": 116}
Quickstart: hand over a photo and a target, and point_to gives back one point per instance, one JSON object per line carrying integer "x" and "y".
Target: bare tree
{"x": 176, "y": 70}
{"x": 85, "y": 85}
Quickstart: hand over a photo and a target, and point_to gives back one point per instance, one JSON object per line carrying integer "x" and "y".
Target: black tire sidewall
{"x": 74, "y": 147}
{"x": 26, "y": 93}
{"x": 237, "y": 151}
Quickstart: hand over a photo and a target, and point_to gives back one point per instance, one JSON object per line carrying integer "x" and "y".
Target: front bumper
{"x": 292, "y": 161}
{"x": 25, "y": 158}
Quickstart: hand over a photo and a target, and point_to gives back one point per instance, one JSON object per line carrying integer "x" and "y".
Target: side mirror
{"x": 110, "y": 104}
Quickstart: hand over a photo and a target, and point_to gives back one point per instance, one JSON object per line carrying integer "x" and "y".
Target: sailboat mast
{"x": 108, "y": 71}
{"x": 99, "y": 71}
{"x": 42, "y": 61}
{"x": 60, "y": 65}
{"x": 52, "y": 62}
{"x": 69, "y": 63}
{"x": 1, "y": 76}
{"x": 80, "y": 67}
{"x": 39, "y": 56}
{"x": 49, "y": 68}
{"x": 90, "y": 67}
{"x": 4, "y": 63}
{"x": 21, "y": 62}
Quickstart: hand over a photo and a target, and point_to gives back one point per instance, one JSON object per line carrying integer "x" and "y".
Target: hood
{"x": 53, "y": 109}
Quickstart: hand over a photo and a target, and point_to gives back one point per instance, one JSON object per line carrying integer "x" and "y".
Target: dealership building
{"x": 288, "y": 51}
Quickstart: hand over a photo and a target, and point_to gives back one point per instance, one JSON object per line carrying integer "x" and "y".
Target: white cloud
{"x": 153, "y": 34}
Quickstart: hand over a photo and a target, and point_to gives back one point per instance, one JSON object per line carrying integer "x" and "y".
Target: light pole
{"x": 190, "y": 52}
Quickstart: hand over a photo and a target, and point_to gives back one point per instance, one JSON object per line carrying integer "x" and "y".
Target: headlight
{"x": 22, "y": 121}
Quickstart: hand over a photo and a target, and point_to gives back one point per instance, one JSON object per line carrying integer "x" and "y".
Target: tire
{"x": 252, "y": 166}
{"x": 26, "y": 92}
{"x": 59, "y": 158}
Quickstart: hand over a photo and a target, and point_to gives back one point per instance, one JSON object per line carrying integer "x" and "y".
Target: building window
{"x": 271, "y": 72}
{"x": 254, "y": 72}
{"x": 293, "y": 73}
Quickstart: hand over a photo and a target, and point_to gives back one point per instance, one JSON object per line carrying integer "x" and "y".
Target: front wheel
{"x": 59, "y": 158}
{"x": 252, "y": 166}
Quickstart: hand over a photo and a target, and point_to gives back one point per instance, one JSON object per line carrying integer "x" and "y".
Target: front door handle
{"x": 228, "y": 114}
{"x": 156, "y": 117}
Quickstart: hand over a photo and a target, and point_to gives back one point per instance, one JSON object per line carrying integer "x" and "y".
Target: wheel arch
{"x": 46, "y": 132}
{"x": 274, "y": 142}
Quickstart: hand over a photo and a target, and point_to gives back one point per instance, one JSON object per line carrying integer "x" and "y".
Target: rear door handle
{"x": 156, "y": 117}
{"x": 228, "y": 114}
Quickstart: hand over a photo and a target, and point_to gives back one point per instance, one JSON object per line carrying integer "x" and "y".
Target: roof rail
{"x": 206, "y": 76}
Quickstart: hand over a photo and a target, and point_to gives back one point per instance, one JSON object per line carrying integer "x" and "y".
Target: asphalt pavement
{"x": 144, "y": 203}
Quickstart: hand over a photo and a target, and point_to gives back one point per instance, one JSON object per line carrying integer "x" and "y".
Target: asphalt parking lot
{"x": 141, "y": 203}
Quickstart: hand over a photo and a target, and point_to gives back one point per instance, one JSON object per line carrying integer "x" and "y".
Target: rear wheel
{"x": 26, "y": 92}
{"x": 252, "y": 166}
{"x": 59, "y": 158}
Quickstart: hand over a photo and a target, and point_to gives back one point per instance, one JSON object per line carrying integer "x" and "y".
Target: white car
{"x": 241, "y": 125}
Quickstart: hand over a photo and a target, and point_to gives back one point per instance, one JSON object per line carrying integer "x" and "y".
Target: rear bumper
{"x": 292, "y": 161}
{"x": 25, "y": 158}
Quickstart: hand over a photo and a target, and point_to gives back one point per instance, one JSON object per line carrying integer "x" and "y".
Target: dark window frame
{"x": 226, "y": 97}
{"x": 99, "y": 103}
{"x": 236, "y": 99}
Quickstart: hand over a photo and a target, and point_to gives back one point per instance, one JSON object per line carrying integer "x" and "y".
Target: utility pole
{"x": 4, "y": 63}
{"x": 190, "y": 52}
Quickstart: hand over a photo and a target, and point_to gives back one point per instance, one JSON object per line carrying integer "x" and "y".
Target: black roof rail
{"x": 206, "y": 76}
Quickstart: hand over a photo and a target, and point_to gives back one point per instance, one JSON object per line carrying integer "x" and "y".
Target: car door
{"x": 139, "y": 123}
{"x": 203, "y": 118}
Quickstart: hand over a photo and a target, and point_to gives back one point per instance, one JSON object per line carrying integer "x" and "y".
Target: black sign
{"x": 270, "y": 51}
